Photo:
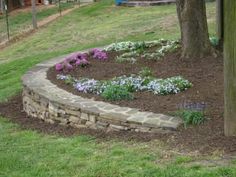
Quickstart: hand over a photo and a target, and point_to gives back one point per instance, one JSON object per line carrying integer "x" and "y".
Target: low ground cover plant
{"x": 146, "y": 72}
{"x": 191, "y": 117}
{"x": 133, "y": 83}
{"x": 116, "y": 92}
{"x": 135, "y": 49}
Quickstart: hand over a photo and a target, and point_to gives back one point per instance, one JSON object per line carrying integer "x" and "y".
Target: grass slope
{"x": 21, "y": 20}
{"x": 25, "y": 153}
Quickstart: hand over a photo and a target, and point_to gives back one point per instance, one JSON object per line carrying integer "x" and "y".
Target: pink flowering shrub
{"x": 64, "y": 66}
{"x": 76, "y": 59}
{"x": 99, "y": 54}
{"x": 80, "y": 59}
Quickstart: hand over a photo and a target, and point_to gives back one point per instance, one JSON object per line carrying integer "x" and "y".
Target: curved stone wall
{"x": 46, "y": 101}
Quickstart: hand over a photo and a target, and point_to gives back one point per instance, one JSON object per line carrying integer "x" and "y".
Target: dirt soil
{"x": 207, "y": 76}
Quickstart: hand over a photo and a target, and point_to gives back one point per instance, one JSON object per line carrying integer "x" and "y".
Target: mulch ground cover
{"x": 206, "y": 138}
{"x": 206, "y": 75}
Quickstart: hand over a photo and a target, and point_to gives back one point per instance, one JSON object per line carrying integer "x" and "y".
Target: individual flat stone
{"x": 114, "y": 116}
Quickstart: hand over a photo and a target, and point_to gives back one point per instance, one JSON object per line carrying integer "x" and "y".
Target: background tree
{"x": 194, "y": 29}
{"x": 219, "y": 20}
{"x": 230, "y": 66}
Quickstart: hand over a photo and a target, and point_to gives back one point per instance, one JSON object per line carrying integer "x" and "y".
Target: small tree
{"x": 194, "y": 30}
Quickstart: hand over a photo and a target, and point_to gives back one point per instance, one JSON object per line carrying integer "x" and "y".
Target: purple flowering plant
{"x": 80, "y": 59}
{"x": 99, "y": 54}
{"x": 76, "y": 59}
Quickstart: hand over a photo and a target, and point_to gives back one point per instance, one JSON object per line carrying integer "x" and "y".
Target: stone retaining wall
{"x": 46, "y": 101}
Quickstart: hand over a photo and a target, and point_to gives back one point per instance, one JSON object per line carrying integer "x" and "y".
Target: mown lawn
{"x": 26, "y": 153}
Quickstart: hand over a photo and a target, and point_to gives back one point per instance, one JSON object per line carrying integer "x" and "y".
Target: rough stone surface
{"x": 46, "y": 101}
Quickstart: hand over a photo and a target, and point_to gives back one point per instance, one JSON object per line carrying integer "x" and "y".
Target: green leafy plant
{"x": 116, "y": 92}
{"x": 146, "y": 72}
{"x": 214, "y": 41}
{"x": 69, "y": 80}
{"x": 191, "y": 117}
{"x": 140, "y": 47}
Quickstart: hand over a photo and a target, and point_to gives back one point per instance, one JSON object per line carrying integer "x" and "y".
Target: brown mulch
{"x": 205, "y": 138}
{"x": 206, "y": 75}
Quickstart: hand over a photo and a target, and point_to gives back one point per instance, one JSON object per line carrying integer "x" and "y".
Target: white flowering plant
{"x": 132, "y": 83}
{"x": 135, "y": 49}
{"x": 169, "y": 46}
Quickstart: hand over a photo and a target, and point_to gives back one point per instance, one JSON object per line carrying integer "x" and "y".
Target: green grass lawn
{"x": 26, "y": 153}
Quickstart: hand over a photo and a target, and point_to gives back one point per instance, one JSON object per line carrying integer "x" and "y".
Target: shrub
{"x": 191, "y": 117}
{"x": 116, "y": 92}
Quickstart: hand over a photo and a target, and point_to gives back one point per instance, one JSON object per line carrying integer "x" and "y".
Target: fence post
{"x": 59, "y": 6}
{"x": 34, "y": 20}
{"x": 6, "y": 16}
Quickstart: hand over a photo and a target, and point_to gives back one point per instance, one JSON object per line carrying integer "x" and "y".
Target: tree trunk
{"x": 230, "y": 66}
{"x": 194, "y": 30}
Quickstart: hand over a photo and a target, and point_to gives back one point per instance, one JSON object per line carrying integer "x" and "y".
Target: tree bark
{"x": 230, "y": 66}
{"x": 194, "y": 29}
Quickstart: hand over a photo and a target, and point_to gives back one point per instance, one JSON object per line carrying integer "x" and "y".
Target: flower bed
{"x": 120, "y": 72}
{"x": 131, "y": 51}
{"x": 142, "y": 88}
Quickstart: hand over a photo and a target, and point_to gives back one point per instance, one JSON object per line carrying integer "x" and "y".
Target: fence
{"x": 14, "y": 23}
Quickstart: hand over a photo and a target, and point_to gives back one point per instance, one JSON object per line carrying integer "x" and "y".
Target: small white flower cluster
{"x": 169, "y": 46}
{"x": 132, "y": 48}
{"x": 155, "y": 43}
{"x": 127, "y": 57}
{"x": 124, "y": 46}
{"x": 62, "y": 77}
{"x": 87, "y": 85}
{"x": 171, "y": 85}
{"x": 134, "y": 83}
